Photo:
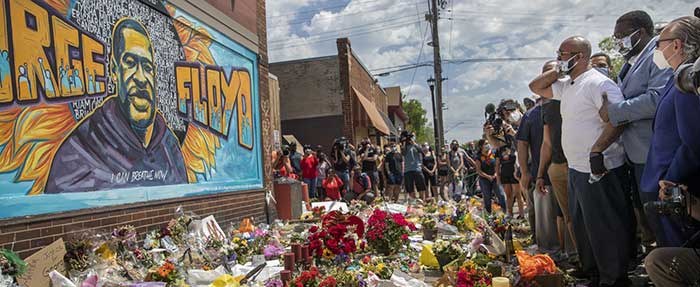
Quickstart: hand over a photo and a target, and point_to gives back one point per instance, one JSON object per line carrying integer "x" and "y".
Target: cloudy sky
{"x": 386, "y": 33}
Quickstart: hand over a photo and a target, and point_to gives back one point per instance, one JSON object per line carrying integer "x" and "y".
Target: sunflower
{"x": 328, "y": 254}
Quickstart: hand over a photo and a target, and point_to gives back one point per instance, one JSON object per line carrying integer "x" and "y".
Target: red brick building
{"x": 327, "y": 97}
{"x": 242, "y": 21}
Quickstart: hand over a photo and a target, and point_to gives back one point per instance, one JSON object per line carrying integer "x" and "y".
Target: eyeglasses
{"x": 658, "y": 43}
{"x": 626, "y": 35}
{"x": 565, "y": 53}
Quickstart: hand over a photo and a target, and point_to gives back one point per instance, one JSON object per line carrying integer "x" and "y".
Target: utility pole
{"x": 438, "y": 75}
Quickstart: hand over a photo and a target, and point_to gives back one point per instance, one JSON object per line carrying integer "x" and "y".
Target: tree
{"x": 418, "y": 123}
{"x": 608, "y": 46}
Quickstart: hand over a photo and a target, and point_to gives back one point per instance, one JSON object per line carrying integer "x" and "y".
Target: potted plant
{"x": 428, "y": 224}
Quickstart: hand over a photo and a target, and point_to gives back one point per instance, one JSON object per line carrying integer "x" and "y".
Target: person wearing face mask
{"x": 601, "y": 63}
{"x": 597, "y": 202}
{"x": 641, "y": 82}
{"x": 456, "y": 163}
{"x": 309, "y": 169}
{"x": 393, "y": 168}
{"x": 674, "y": 154}
{"x": 486, "y": 168}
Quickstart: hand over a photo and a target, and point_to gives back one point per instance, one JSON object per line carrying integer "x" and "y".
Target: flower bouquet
{"x": 310, "y": 278}
{"x": 11, "y": 264}
{"x": 471, "y": 275}
{"x": 337, "y": 238}
{"x": 377, "y": 267}
{"x": 167, "y": 273}
{"x": 446, "y": 252}
{"x": 387, "y": 233}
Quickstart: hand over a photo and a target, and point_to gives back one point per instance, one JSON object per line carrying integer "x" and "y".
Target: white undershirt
{"x": 581, "y": 124}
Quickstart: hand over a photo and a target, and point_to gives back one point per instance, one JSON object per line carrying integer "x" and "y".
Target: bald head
{"x": 577, "y": 44}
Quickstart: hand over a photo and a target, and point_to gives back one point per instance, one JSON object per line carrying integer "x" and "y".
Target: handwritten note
{"x": 41, "y": 263}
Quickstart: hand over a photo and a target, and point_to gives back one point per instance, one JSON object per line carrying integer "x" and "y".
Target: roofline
{"x": 306, "y": 60}
{"x": 375, "y": 80}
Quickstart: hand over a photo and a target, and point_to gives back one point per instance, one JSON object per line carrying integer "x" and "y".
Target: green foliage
{"x": 418, "y": 122}
{"x": 607, "y": 46}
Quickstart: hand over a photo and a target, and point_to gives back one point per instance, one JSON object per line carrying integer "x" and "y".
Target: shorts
{"x": 508, "y": 179}
{"x": 394, "y": 178}
{"x": 414, "y": 177}
{"x": 432, "y": 179}
{"x": 508, "y": 174}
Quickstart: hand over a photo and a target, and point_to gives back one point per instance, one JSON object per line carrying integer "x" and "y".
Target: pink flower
{"x": 404, "y": 237}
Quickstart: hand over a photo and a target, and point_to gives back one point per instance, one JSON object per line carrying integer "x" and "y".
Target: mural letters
{"x": 131, "y": 105}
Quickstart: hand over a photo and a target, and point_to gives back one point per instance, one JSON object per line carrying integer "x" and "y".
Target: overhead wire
{"x": 350, "y": 28}
{"x": 420, "y": 54}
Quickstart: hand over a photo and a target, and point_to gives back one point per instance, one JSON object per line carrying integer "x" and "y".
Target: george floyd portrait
{"x": 125, "y": 142}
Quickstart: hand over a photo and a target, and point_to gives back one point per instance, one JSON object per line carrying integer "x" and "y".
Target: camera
{"x": 406, "y": 136}
{"x": 687, "y": 78}
{"x": 285, "y": 150}
{"x": 494, "y": 116}
{"x": 673, "y": 204}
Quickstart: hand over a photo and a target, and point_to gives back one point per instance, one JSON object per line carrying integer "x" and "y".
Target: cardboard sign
{"x": 42, "y": 262}
{"x": 210, "y": 228}
{"x": 331, "y": 206}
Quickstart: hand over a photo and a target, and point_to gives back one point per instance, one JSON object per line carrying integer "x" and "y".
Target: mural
{"x": 106, "y": 102}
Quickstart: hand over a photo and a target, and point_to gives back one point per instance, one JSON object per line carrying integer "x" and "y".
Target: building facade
{"x": 324, "y": 98}
{"x": 82, "y": 163}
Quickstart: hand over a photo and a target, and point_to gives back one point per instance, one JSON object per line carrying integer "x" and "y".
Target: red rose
{"x": 313, "y": 229}
{"x": 404, "y": 236}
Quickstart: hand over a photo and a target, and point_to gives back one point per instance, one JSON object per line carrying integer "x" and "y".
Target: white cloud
{"x": 388, "y": 33}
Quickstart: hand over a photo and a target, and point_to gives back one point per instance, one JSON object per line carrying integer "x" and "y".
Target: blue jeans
{"x": 488, "y": 188}
{"x": 345, "y": 177}
{"x": 312, "y": 186}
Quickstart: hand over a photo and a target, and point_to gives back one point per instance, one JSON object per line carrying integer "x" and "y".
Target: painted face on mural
{"x": 134, "y": 73}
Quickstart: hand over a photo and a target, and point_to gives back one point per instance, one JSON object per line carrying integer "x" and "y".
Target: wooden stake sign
{"x": 42, "y": 262}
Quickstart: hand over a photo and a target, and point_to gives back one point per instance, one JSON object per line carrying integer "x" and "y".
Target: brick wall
{"x": 26, "y": 235}
{"x": 309, "y": 88}
{"x": 344, "y": 67}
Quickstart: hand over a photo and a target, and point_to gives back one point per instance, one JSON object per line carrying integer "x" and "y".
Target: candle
{"x": 305, "y": 254}
{"x": 286, "y": 277}
{"x": 296, "y": 249}
{"x": 289, "y": 261}
{"x": 500, "y": 282}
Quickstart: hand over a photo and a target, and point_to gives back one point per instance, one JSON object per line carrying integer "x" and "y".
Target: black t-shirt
{"x": 429, "y": 162}
{"x": 340, "y": 164}
{"x": 369, "y": 166}
{"x": 394, "y": 160}
{"x": 551, "y": 116}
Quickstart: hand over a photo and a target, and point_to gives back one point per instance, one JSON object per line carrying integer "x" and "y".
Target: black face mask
{"x": 455, "y": 148}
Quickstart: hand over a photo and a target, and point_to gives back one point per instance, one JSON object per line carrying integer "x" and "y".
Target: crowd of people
{"x": 605, "y": 170}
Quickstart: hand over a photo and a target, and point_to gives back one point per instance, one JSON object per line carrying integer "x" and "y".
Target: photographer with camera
{"x": 393, "y": 168}
{"x": 678, "y": 266}
{"x": 674, "y": 155}
{"x": 309, "y": 170}
{"x": 413, "y": 163}
{"x": 282, "y": 166}
{"x": 341, "y": 154}
{"x": 369, "y": 157}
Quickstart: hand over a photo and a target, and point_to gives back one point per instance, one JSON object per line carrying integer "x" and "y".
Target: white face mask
{"x": 660, "y": 60}
{"x": 566, "y": 66}
{"x": 515, "y": 116}
{"x": 625, "y": 44}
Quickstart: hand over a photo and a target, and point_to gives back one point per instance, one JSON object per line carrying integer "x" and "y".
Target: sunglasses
{"x": 658, "y": 43}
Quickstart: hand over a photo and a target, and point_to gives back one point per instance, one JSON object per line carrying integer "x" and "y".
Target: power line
{"x": 406, "y": 67}
{"x": 420, "y": 56}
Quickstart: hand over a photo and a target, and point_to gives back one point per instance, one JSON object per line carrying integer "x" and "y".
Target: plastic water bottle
{"x": 593, "y": 178}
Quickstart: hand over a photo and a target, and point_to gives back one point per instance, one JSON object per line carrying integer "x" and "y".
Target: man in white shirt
{"x": 599, "y": 211}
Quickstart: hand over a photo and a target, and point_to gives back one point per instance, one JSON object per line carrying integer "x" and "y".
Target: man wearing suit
{"x": 641, "y": 82}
